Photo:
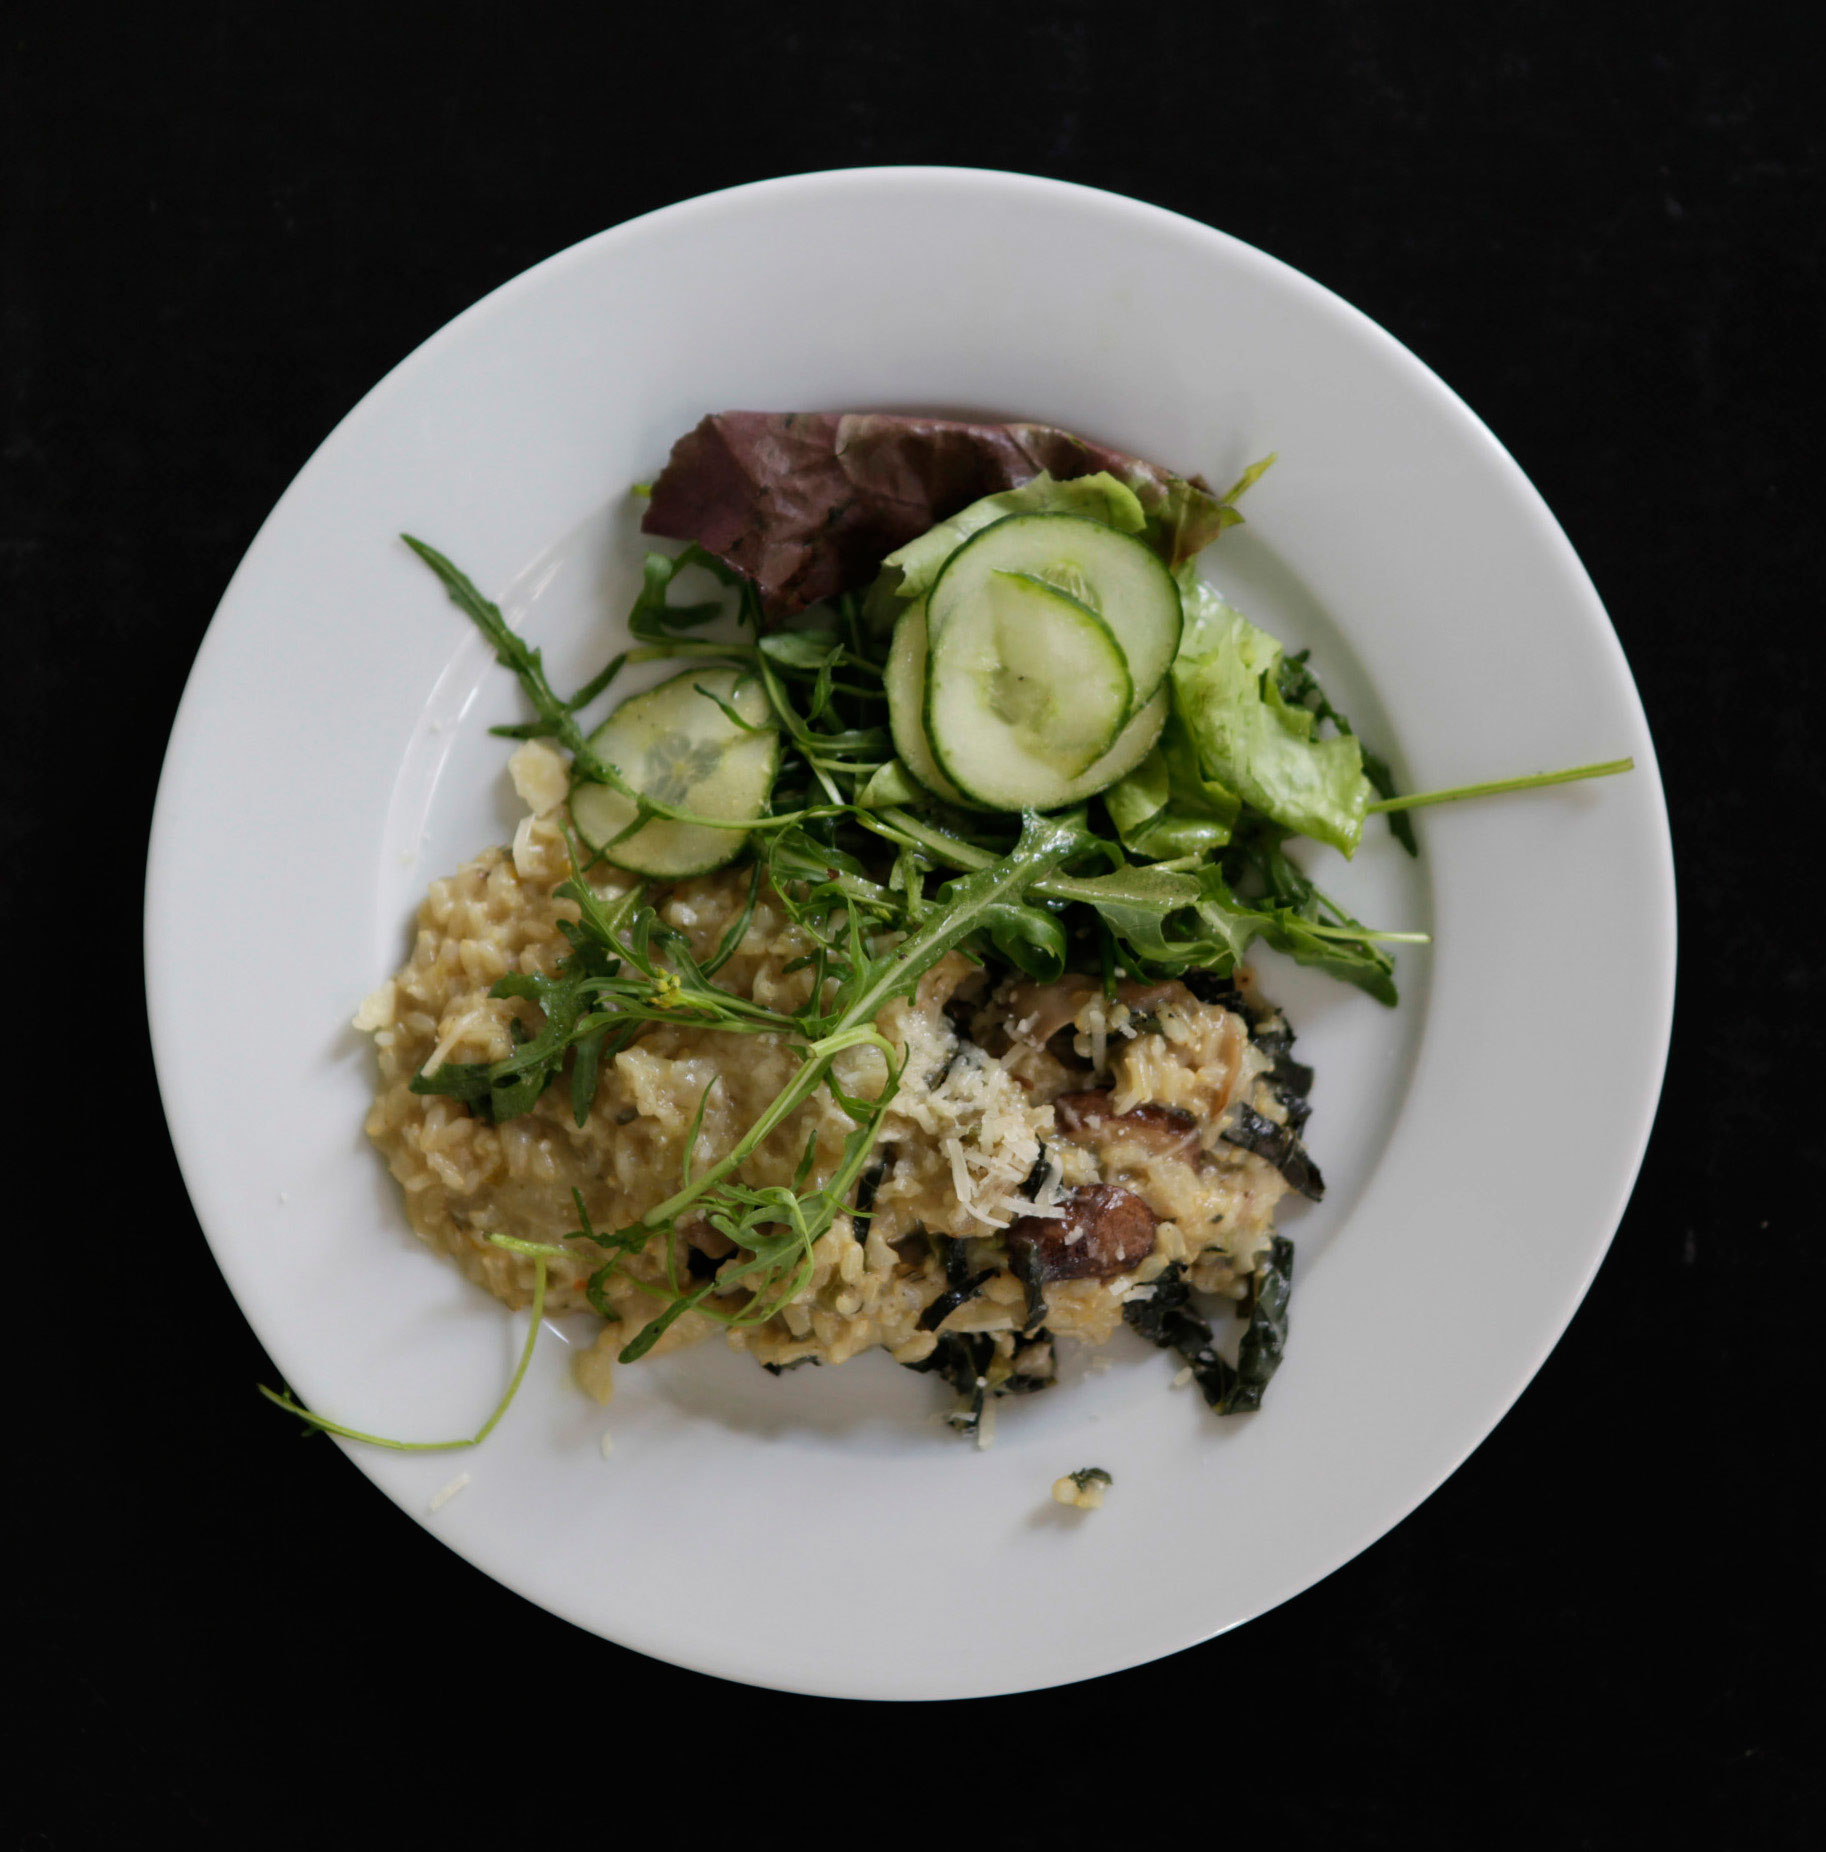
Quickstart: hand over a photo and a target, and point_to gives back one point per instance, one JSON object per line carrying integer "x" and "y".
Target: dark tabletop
{"x": 224, "y": 224}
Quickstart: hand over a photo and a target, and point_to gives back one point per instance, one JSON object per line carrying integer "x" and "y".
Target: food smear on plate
{"x": 877, "y": 979}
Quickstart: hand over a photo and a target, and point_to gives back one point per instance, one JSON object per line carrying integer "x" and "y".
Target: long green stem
{"x": 559, "y": 720}
{"x": 1416, "y": 800}
{"x": 541, "y": 1254}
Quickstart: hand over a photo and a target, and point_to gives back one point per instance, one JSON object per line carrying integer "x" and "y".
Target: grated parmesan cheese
{"x": 377, "y": 1009}
{"x": 440, "y": 1499}
{"x": 541, "y": 776}
{"x": 525, "y": 849}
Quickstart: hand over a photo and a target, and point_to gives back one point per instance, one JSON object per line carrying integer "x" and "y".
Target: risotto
{"x": 1051, "y": 1152}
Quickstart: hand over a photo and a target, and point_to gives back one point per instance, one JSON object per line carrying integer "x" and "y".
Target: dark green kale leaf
{"x": 960, "y": 1285}
{"x": 1166, "y": 1319}
{"x": 962, "y": 1359}
{"x": 1279, "y": 1144}
{"x": 1265, "y": 1338}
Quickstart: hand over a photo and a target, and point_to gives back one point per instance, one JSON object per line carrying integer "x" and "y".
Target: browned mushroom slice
{"x": 1164, "y": 1128}
{"x": 1103, "y": 1232}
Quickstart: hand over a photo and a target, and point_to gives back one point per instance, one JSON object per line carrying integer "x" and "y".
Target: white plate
{"x": 820, "y": 1532}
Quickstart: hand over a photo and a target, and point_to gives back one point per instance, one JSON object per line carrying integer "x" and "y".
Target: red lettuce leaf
{"x": 807, "y": 504}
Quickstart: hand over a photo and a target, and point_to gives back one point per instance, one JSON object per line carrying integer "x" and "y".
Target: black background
{"x": 1601, "y": 227}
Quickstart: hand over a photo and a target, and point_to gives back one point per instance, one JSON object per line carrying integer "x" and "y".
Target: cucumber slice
{"x": 1117, "y": 576}
{"x": 675, "y": 744}
{"x": 905, "y": 681}
{"x": 1026, "y": 688}
{"x": 906, "y": 674}
{"x": 1133, "y": 744}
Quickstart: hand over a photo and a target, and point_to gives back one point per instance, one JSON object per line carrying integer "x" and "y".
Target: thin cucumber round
{"x": 905, "y": 681}
{"x": 906, "y": 674}
{"x": 1133, "y": 744}
{"x": 1026, "y": 689}
{"x": 678, "y": 746}
{"x": 1115, "y": 575}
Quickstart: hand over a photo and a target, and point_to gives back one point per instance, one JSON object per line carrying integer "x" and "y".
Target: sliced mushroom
{"x": 1165, "y": 1129}
{"x": 1104, "y": 1231}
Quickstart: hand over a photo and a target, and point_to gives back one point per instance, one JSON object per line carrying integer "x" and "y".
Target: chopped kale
{"x": 1221, "y": 989}
{"x": 962, "y": 1358}
{"x": 866, "y": 1185}
{"x": 1290, "y": 1079}
{"x": 1030, "y": 1187}
{"x": 960, "y": 1284}
{"x": 1167, "y": 1320}
{"x": 1030, "y": 1269}
{"x": 1280, "y": 1145}
{"x": 1259, "y": 1355}
{"x": 1025, "y": 1382}
{"x": 952, "y": 1297}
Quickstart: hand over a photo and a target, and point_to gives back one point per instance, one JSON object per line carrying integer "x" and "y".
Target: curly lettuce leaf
{"x": 1249, "y": 738}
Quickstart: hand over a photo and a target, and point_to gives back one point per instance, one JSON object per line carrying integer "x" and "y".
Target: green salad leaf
{"x": 1167, "y": 809}
{"x": 1249, "y": 738}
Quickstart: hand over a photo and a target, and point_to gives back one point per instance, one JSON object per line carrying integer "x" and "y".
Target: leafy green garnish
{"x": 1249, "y": 738}
{"x": 1300, "y": 688}
{"x": 541, "y": 1254}
{"x": 1167, "y": 809}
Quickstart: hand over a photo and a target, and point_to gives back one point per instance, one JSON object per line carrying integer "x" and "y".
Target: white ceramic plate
{"x": 331, "y": 757}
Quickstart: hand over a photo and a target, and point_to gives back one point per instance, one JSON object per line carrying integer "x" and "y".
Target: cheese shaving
{"x": 541, "y": 775}
{"x": 440, "y": 1499}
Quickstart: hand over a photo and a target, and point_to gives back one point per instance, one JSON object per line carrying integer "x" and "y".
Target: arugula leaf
{"x": 889, "y": 785}
{"x": 1300, "y": 920}
{"x": 539, "y": 1253}
{"x": 504, "y": 1089}
{"x": 1249, "y": 738}
{"x": 1028, "y": 937}
{"x": 801, "y": 649}
{"x": 652, "y": 618}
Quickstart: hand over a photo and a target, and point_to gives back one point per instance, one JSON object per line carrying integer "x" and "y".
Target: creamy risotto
{"x": 1051, "y": 1152}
